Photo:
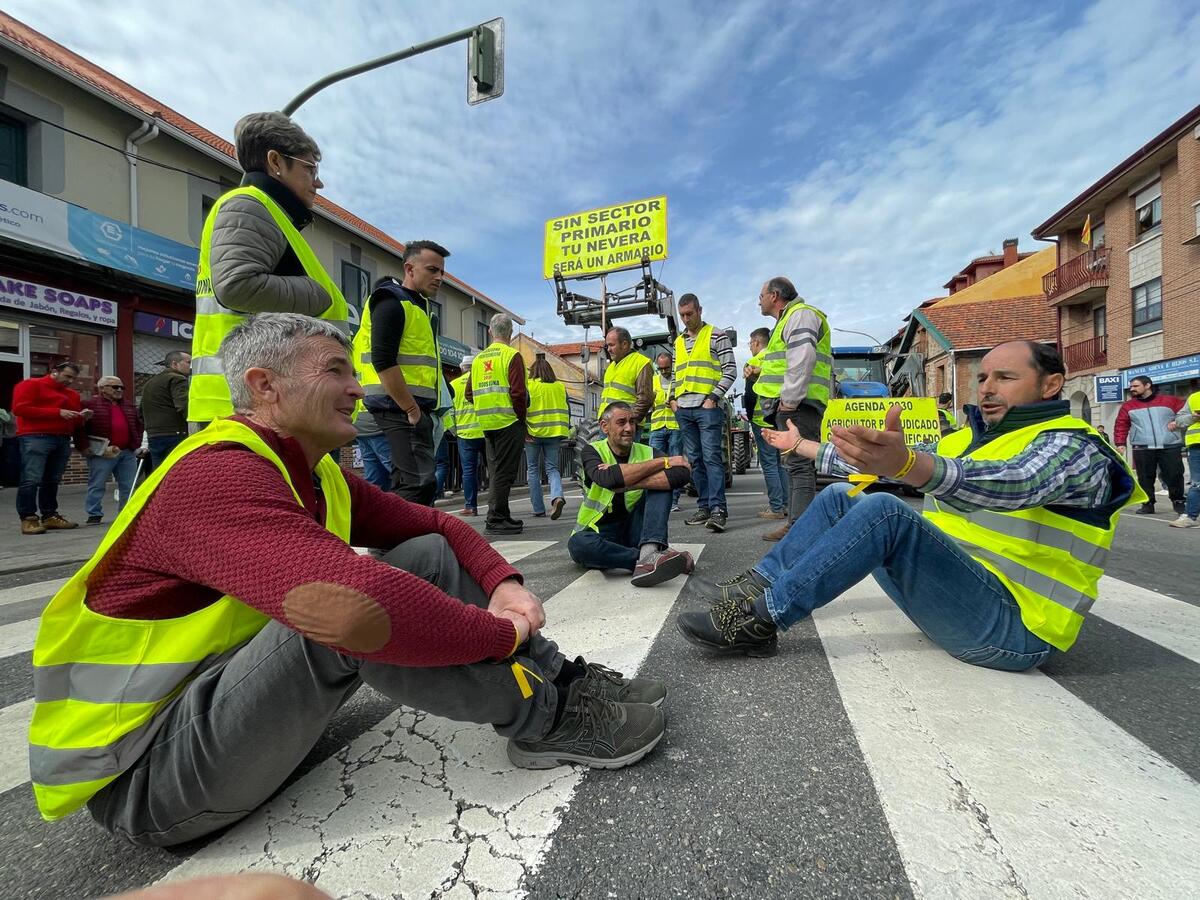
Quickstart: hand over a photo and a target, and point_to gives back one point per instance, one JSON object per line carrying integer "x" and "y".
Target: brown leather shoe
{"x": 778, "y": 533}
{"x": 468, "y": 512}
{"x": 771, "y": 514}
{"x": 32, "y": 525}
{"x": 56, "y": 522}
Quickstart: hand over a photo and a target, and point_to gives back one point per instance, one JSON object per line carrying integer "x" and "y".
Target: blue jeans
{"x": 377, "y": 460}
{"x": 703, "y": 433}
{"x": 773, "y": 472}
{"x": 959, "y": 604}
{"x": 542, "y": 448}
{"x": 123, "y": 467}
{"x": 469, "y": 451}
{"x": 616, "y": 544}
{"x": 161, "y": 447}
{"x": 43, "y": 460}
{"x": 1193, "y": 494}
{"x": 670, "y": 442}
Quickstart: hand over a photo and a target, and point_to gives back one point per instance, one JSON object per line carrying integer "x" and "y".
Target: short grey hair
{"x": 272, "y": 341}
{"x": 501, "y": 327}
{"x": 257, "y": 133}
{"x": 107, "y": 380}
{"x": 623, "y": 335}
{"x": 612, "y": 408}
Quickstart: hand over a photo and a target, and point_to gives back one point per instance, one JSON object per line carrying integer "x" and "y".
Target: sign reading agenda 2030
{"x": 603, "y": 240}
{"x": 918, "y": 416}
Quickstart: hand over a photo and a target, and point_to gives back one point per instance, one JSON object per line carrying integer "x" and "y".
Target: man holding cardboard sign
{"x": 1020, "y": 511}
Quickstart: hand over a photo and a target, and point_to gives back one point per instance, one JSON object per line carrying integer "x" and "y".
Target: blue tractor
{"x": 859, "y": 372}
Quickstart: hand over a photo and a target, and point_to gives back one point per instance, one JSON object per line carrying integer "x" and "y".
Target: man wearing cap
{"x": 164, "y": 405}
{"x": 112, "y": 443}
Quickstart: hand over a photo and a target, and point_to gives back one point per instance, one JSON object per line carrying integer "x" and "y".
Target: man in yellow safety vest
{"x": 628, "y": 376}
{"x": 1188, "y": 421}
{"x": 470, "y": 438}
{"x": 179, "y": 682}
{"x": 664, "y": 430}
{"x": 497, "y": 390}
{"x": 1020, "y": 511}
{"x": 768, "y": 457}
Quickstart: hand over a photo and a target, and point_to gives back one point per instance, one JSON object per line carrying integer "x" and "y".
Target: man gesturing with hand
{"x": 1004, "y": 561}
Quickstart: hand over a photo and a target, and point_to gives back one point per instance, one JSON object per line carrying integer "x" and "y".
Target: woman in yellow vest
{"x": 252, "y": 256}
{"x": 1188, "y": 421}
{"x": 1020, "y": 511}
{"x": 470, "y": 439}
{"x": 665, "y": 436}
{"x": 549, "y": 419}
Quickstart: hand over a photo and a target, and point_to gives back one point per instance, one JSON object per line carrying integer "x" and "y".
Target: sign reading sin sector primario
{"x": 603, "y": 240}
{"x": 918, "y": 416}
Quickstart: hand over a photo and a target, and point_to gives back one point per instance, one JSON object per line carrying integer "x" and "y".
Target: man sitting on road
{"x": 622, "y": 522}
{"x": 179, "y": 683}
{"x": 1020, "y": 510}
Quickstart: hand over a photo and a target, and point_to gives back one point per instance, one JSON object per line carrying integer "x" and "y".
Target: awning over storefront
{"x": 452, "y": 352}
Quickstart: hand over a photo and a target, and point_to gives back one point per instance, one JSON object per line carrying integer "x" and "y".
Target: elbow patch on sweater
{"x": 337, "y": 616}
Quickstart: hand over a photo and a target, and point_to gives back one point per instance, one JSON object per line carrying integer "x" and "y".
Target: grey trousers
{"x": 802, "y": 473}
{"x": 239, "y": 729}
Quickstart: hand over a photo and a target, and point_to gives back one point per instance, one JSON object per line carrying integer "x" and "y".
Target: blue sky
{"x": 867, "y": 151}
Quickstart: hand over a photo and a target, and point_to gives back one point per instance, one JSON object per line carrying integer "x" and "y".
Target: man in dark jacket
{"x": 164, "y": 405}
{"x": 1147, "y": 422}
{"x": 112, "y": 443}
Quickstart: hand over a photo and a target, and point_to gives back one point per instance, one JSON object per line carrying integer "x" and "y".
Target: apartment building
{"x": 1128, "y": 303}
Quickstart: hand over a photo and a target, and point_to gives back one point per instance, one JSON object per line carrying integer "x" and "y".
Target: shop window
{"x": 1100, "y": 321}
{"x": 10, "y": 337}
{"x": 50, "y": 346}
{"x": 1147, "y": 307}
{"x": 481, "y": 335}
{"x": 356, "y": 283}
{"x": 12, "y": 151}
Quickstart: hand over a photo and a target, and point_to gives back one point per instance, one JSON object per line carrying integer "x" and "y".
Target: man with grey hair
{"x": 497, "y": 391}
{"x": 252, "y": 256}
{"x": 257, "y": 628}
{"x": 112, "y": 443}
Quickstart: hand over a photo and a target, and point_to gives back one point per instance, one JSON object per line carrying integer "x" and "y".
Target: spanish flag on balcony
{"x": 1086, "y": 234}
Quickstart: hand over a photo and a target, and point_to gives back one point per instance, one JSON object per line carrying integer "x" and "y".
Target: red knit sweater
{"x": 36, "y": 403}
{"x": 224, "y": 522}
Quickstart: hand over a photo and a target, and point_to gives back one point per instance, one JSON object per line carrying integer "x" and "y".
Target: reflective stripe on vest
{"x": 490, "y": 387}
{"x": 620, "y": 380}
{"x": 774, "y": 357}
{"x": 466, "y": 423}
{"x": 1192, "y": 437}
{"x": 548, "y": 414}
{"x": 1050, "y": 562}
{"x": 208, "y": 392}
{"x": 102, "y": 684}
{"x": 697, "y": 372}
{"x": 599, "y": 500}
{"x": 663, "y": 416}
{"x": 416, "y": 357}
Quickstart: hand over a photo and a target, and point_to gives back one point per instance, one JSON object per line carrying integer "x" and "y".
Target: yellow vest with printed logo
{"x": 208, "y": 392}
{"x": 548, "y": 415}
{"x": 663, "y": 416}
{"x": 1192, "y": 437}
{"x": 102, "y": 684}
{"x": 466, "y": 423}
{"x": 697, "y": 372}
{"x": 416, "y": 357}
{"x": 620, "y": 380}
{"x": 599, "y": 500}
{"x": 490, "y": 387}
{"x": 1050, "y": 562}
{"x": 774, "y": 364}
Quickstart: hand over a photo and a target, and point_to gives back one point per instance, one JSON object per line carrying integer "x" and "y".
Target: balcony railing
{"x": 1089, "y": 269}
{"x": 1087, "y": 354}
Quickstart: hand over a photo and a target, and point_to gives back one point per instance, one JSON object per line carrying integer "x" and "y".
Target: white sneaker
{"x": 1185, "y": 522}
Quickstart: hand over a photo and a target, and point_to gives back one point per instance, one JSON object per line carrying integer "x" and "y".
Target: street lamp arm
{"x": 874, "y": 340}
{"x": 305, "y": 95}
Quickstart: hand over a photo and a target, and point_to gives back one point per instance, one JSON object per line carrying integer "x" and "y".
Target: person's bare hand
{"x": 1172, "y": 426}
{"x": 519, "y": 622}
{"x": 709, "y": 403}
{"x": 870, "y": 451}
{"x": 679, "y": 461}
{"x": 674, "y": 406}
{"x": 782, "y": 440}
{"x": 87, "y": 414}
{"x": 414, "y": 414}
{"x": 513, "y": 597}
{"x": 69, "y": 414}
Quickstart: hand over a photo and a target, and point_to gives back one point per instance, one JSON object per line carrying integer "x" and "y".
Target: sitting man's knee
{"x": 577, "y": 547}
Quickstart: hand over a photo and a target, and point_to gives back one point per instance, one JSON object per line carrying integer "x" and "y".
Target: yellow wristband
{"x": 517, "y": 642}
{"x": 909, "y": 463}
{"x": 666, "y": 462}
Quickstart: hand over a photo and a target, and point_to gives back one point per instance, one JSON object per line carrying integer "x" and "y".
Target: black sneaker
{"x": 609, "y": 684}
{"x": 728, "y": 627}
{"x": 1180, "y": 508}
{"x": 593, "y": 732}
{"x": 1146, "y": 509}
{"x": 716, "y": 521}
{"x": 503, "y": 527}
{"x": 95, "y": 520}
{"x": 699, "y": 518}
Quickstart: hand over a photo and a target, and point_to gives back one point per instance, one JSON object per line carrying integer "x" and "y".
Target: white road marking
{"x": 517, "y": 550}
{"x": 418, "y": 805}
{"x": 1000, "y": 784}
{"x": 23, "y": 592}
{"x": 14, "y": 744}
{"x": 17, "y": 637}
{"x": 1171, "y": 623}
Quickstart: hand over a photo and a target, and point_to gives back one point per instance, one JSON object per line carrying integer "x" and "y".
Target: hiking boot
{"x": 771, "y": 514}
{"x": 593, "y": 732}
{"x": 700, "y": 517}
{"x": 747, "y": 586}
{"x": 55, "y": 522}
{"x": 511, "y": 521}
{"x": 503, "y": 527}
{"x": 95, "y": 520}
{"x": 1185, "y": 521}
{"x": 1146, "y": 509}
{"x": 778, "y": 534}
{"x": 728, "y": 627}
{"x": 716, "y": 521}
{"x": 609, "y": 684}
{"x": 663, "y": 566}
{"x": 558, "y": 503}
{"x": 32, "y": 525}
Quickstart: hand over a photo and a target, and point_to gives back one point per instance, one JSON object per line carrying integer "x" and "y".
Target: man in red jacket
{"x": 48, "y": 413}
{"x": 112, "y": 443}
{"x": 1147, "y": 422}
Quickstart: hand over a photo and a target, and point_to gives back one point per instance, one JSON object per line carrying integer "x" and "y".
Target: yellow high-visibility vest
{"x": 774, "y": 365}
{"x": 757, "y": 415}
{"x": 599, "y": 500}
{"x": 663, "y": 416}
{"x": 1192, "y": 436}
{"x": 208, "y": 392}
{"x": 466, "y": 423}
{"x": 490, "y": 387}
{"x": 417, "y": 355}
{"x": 620, "y": 380}
{"x": 1050, "y": 562}
{"x": 101, "y": 683}
{"x": 549, "y": 416}
{"x": 697, "y": 372}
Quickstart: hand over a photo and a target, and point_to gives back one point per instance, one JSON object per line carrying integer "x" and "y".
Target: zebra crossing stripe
{"x": 1001, "y": 784}
{"x": 17, "y": 637}
{"x": 14, "y": 744}
{"x": 1174, "y": 624}
{"x": 419, "y": 805}
{"x": 23, "y": 592}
